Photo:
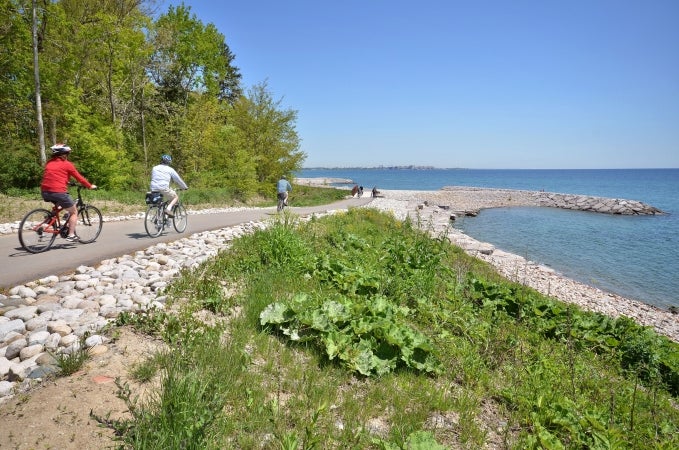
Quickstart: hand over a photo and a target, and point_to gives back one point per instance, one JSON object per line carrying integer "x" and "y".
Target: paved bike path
{"x": 17, "y": 266}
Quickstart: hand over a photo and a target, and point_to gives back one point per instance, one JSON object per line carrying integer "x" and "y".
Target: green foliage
{"x": 154, "y": 322}
{"x": 280, "y": 246}
{"x": 309, "y": 196}
{"x": 190, "y": 56}
{"x": 145, "y": 370}
{"x": 96, "y": 151}
{"x": 269, "y": 136}
{"x": 71, "y": 362}
{"x": 19, "y": 168}
{"x": 651, "y": 357}
{"x": 368, "y": 335}
{"x": 419, "y": 440}
{"x": 17, "y": 116}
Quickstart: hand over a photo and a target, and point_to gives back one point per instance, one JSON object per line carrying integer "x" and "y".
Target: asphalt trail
{"x": 17, "y": 266}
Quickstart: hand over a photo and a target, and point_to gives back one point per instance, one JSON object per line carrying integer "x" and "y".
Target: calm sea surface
{"x": 636, "y": 257}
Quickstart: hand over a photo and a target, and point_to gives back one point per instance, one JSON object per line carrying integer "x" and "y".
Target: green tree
{"x": 191, "y": 57}
{"x": 17, "y": 115}
{"x": 268, "y": 134}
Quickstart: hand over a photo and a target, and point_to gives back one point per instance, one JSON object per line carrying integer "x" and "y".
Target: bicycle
{"x": 282, "y": 201}
{"x": 156, "y": 220}
{"x": 39, "y": 228}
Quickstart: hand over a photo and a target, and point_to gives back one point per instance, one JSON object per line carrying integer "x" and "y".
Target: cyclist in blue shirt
{"x": 283, "y": 187}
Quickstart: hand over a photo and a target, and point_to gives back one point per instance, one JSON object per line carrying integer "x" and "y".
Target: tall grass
{"x": 509, "y": 368}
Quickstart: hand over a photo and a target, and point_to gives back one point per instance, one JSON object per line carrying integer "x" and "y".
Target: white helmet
{"x": 60, "y": 149}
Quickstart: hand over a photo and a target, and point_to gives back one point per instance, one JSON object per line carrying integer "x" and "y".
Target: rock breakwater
{"x": 491, "y": 198}
{"x": 595, "y": 204}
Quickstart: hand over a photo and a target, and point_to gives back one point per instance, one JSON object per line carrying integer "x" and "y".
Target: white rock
{"x": 6, "y": 388}
{"x": 24, "y": 313}
{"x": 30, "y": 351}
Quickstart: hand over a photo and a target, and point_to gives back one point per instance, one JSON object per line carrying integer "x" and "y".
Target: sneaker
{"x": 169, "y": 213}
{"x": 72, "y": 238}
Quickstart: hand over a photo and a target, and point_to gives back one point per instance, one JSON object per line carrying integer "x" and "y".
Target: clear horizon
{"x": 488, "y": 85}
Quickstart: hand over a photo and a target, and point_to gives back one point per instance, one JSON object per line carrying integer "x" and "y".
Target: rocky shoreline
{"x": 55, "y": 313}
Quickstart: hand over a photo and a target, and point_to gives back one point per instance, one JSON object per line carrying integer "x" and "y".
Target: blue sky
{"x": 475, "y": 84}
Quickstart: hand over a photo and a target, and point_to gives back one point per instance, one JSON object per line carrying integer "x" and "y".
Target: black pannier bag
{"x": 153, "y": 198}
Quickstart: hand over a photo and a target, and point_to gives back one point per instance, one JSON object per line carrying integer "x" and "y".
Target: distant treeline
{"x": 122, "y": 85}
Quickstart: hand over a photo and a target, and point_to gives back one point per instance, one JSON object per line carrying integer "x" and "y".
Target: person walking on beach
{"x": 161, "y": 176}
{"x": 54, "y": 185}
{"x": 283, "y": 187}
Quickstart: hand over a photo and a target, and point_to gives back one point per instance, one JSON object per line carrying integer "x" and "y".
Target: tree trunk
{"x": 36, "y": 73}
{"x": 143, "y": 133}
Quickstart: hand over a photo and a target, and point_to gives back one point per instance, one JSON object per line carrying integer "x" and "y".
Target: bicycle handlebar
{"x": 80, "y": 186}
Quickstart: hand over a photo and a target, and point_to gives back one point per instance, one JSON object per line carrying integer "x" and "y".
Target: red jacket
{"x": 58, "y": 172}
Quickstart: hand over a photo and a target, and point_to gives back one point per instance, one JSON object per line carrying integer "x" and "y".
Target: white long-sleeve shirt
{"x": 162, "y": 174}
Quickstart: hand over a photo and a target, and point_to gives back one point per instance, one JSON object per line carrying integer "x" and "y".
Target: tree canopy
{"x": 122, "y": 87}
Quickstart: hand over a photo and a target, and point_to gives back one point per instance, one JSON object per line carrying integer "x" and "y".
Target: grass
{"x": 127, "y": 202}
{"x": 389, "y": 339}
{"x": 70, "y": 363}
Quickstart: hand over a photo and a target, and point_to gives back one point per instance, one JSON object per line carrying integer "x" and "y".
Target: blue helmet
{"x": 166, "y": 159}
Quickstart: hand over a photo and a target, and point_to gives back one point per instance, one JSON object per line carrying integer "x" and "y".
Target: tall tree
{"x": 269, "y": 134}
{"x": 192, "y": 57}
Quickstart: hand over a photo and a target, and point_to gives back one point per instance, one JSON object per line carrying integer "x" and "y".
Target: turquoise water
{"x": 636, "y": 257}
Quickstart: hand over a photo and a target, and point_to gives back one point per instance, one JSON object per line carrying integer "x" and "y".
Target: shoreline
{"x": 433, "y": 209}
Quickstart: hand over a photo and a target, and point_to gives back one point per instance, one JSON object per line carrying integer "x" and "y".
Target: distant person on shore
{"x": 360, "y": 191}
{"x": 375, "y": 191}
{"x": 354, "y": 191}
{"x": 283, "y": 187}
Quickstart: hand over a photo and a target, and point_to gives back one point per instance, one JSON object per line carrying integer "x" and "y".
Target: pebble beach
{"x": 54, "y": 313}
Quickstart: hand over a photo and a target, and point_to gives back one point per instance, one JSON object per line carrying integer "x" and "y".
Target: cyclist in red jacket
{"x": 54, "y": 186}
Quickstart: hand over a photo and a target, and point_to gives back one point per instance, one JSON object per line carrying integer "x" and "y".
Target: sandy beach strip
{"x": 433, "y": 210}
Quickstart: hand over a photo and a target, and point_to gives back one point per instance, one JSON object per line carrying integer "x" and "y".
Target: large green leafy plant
{"x": 368, "y": 335}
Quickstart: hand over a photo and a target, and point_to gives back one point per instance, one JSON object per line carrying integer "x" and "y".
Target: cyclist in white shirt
{"x": 161, "y": 176}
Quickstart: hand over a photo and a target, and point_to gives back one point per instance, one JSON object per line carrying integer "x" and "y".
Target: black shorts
{"x": 59, "y": 198}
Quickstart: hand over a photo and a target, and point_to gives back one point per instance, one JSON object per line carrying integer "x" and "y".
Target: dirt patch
{"x": 56, "y": 413}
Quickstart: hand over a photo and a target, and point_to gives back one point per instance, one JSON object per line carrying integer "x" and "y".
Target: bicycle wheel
{"x": 180, "y": 218}
{"x": 281, "y": 205}
{"x": 89, "y": 224}
{"x": 154, "y": 221}
{"x": 36, "y": 234}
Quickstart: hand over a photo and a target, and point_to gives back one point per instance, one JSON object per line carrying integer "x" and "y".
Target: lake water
{"x": 633, "y": 256}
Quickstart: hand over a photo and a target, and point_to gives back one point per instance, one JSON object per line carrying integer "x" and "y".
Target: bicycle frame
{"x": 53, "y": 225}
